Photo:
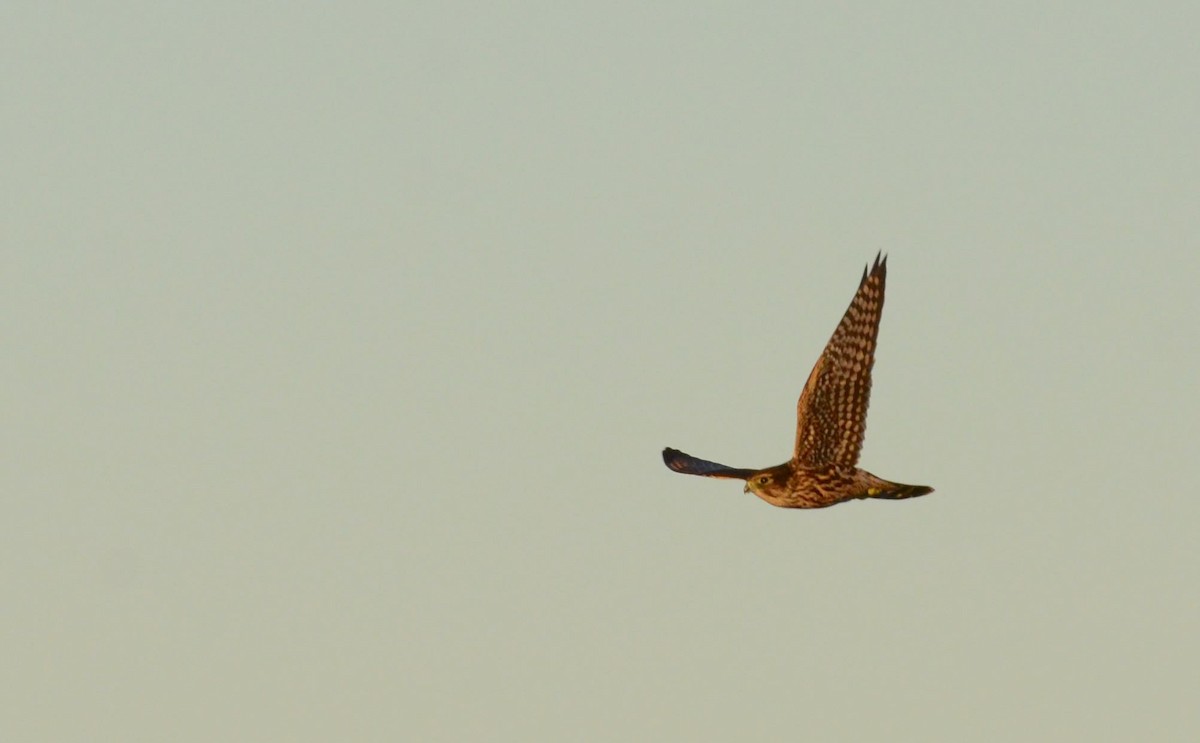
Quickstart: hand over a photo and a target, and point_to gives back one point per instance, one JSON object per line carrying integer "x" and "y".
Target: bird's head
{"x": 762, "y": 483}
{"x": 774, "y": 484}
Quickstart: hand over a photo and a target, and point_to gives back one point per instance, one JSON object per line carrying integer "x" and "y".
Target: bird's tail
{"x": 879, "y": 488}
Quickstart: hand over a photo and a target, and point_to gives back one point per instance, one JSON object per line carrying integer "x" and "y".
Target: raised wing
{"x": 831, "y": 416}
{"x": 689, "y": 465}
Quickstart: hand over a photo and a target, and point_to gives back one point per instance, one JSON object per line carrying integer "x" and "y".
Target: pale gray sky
{"x": 342, "y": 341}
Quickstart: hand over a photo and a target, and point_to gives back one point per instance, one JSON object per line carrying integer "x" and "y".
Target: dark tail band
{"x": 898, "y": 491}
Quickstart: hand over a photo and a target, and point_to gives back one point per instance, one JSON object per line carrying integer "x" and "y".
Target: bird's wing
{"x": 689, "y": 465}
{"x": 831, "y": 416}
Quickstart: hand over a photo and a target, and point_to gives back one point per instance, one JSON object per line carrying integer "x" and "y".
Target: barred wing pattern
{"x": 831, "y": 416}
{"x": 689, "y": 465}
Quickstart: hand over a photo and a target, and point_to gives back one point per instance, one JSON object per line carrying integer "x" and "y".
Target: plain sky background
{"x": 341, "y": 341}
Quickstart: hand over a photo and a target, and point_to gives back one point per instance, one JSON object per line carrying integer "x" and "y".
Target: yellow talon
{"x": 872, "y": 491}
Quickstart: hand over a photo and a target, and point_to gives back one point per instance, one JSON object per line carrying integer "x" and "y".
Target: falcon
{"x": 831, "y": 420}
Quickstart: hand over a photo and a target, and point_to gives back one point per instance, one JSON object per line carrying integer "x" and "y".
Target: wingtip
{"x": 879, "y": 266}
{"x": 674, "y": 459}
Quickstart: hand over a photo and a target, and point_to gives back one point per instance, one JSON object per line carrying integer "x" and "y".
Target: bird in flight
{"x": 831, "y": 420}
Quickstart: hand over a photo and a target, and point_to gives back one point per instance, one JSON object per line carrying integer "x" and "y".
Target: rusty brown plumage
{"x": 831, "y": 420}
{"x": 831, "y": 415}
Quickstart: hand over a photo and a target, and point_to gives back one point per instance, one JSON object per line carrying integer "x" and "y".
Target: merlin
{"x": 831, "y": 420}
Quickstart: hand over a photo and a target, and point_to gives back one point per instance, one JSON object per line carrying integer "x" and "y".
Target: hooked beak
{"x": 747, "y": 488}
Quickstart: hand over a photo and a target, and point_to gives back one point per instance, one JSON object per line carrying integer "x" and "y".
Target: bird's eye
{"x": 763, "y": 480}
